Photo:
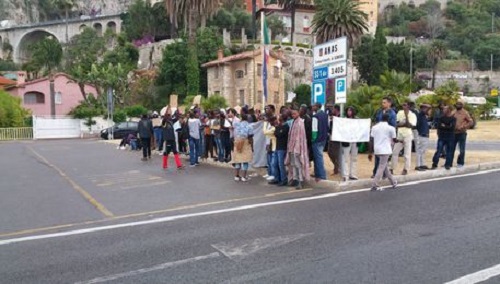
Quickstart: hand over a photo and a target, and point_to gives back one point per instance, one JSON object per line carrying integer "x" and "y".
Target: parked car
{"x": 120, "y": 130}
{"x": 495, "y": 113}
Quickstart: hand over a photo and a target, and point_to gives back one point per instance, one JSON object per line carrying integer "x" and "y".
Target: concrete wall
{"x": 477, "y": 82}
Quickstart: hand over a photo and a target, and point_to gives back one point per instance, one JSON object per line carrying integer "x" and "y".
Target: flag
{"x": 265, "y": 54}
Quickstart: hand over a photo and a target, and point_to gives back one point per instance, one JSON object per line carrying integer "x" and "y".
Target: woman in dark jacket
{"x": 170, "y": 145}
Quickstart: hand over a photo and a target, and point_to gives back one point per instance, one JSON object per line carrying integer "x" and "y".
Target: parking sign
{"x": 341, "y": 91}
{"x": 319, "y": 92}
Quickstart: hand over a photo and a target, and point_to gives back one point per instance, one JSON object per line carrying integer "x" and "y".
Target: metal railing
{"x": 17, "y": 133}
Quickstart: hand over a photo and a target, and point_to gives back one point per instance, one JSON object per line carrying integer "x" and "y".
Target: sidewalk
{"x": 475, "y": 161}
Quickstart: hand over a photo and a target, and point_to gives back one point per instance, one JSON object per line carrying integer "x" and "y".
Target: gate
{"x": 55, "y": 127}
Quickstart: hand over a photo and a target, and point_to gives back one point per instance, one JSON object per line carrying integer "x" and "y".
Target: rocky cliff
{"x": 32, "y": 11}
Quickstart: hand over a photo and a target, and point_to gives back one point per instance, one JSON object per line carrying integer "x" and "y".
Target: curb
{"x": 430, "y": 174}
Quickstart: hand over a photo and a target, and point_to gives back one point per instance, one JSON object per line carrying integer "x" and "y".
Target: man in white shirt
{"x": 406, "y": 120}
{"x": 382, "y": 137}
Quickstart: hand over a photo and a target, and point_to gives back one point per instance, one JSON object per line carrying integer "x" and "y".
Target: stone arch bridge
{"x": 22, "y": 36}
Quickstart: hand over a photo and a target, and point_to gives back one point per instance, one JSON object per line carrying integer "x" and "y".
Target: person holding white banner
{"x": 350, "y": 153}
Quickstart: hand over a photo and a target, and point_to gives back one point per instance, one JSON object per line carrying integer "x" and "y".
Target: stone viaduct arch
{"x": 21, "y": 36}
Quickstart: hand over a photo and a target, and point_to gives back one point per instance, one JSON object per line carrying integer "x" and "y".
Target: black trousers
{"x": 146, "y": 147}
{"x": 226, "y": 144}
{"x": 170, "y": 147}
{"x": 209, "y": 146}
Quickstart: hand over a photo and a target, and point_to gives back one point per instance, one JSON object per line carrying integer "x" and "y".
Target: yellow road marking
{"x": 75, "y": 186}
{"x": 184, "y": 207}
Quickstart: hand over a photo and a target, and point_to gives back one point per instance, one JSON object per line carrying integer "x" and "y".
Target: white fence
{"x": 60, "y": 127}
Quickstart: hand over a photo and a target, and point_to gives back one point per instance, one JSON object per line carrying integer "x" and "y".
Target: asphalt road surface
{"x": 429, "y": 232}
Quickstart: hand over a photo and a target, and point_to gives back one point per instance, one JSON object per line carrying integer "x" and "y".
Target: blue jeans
{"x": 194, "y": 145}
{"x": 270, "y": 164}
{"x": 220, "y": 149}
{"x": 448, "y": 143}
{"x": 241, "y": 166}
{"x": 279, "y": 170}
{"x": 133, "y": 144}
{"x": 158, "y": 138}
{"x": 460, "y": 139}
{"x": 319, "y": 164}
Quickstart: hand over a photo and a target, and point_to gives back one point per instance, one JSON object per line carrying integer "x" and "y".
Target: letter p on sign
{"x": 319, "y": 95}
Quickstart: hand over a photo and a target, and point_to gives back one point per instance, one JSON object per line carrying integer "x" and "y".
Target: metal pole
{"x": 254, "y": 35}
{"x": 52, "y": 97}
{"x": 411, "y": 65}
{"x": 492, "y": 31}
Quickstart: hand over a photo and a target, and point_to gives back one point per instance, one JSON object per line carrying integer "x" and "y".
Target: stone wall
{"x": 472, "y": 82}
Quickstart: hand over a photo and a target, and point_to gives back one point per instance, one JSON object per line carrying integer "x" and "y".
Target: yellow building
{"x": 238, "y": 78}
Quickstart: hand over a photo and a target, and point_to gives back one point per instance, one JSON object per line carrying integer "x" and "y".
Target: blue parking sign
{"x": 319, "y": 91}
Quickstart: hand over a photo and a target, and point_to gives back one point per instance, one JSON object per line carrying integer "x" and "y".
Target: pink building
{"x": 35, "y": 94}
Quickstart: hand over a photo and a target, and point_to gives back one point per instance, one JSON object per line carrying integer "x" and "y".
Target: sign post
{"x": 330, "y": 62}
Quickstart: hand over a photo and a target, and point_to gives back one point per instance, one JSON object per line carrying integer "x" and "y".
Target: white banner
{"x": 351, "y": 130}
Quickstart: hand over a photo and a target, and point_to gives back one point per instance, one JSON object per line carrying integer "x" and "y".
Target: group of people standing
{"x": 296, "y": 138}
{"x": 395, "y": 132}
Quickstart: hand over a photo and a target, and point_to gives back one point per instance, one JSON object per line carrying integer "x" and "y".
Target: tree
{"x": 400, "y": 57}
{"x": 66, "y": 6}
{"x": 372, "y": 66}
{"x": 88, "y": 110}
{"x": 46, "y": 54}
{"x": 12, "y": 114}
{"x": 339, "y": 18}
{"x": 291, "y": 6}
{"x": 153, "y": 18}
{"x": 192, "y": 11}
{"x": 83, "y": 51}
{"x": 173, "y": 73}
{"x": 214, "y": 102}
{"x": 302, "y": 94}
{"x": 366, "y": 100}
{"x": 437, "y": 51}
{"x": 379, "y": 55}
{"x": 276, "y": 26}
{"x": 397, "y": 85}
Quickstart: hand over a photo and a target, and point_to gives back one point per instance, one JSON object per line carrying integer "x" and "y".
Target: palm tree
{"x": 339, "y": 18}
{"x": 66, "y": 6}
{"x": 290, "y": 5}
{"x": 437, "y": 51}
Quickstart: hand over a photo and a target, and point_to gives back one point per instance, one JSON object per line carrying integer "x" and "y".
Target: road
{"x": 430, "y": 232}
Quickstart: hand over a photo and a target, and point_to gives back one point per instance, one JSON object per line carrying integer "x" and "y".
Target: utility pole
{"x": 492, "y": 31}
{"x": 254, "y": 36}
{"x": 411, "y": 65}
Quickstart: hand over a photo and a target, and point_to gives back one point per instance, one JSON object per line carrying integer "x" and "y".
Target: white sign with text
{"x": 330, "y": 52}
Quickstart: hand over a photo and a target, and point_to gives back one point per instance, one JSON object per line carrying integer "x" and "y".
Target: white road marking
{"x": 447, "y": 177}
{"x": 150, "y": 269}
{"x": 479, "y": 276}
{"x": 206, "y": 213}
{"x": 237, "y": 250}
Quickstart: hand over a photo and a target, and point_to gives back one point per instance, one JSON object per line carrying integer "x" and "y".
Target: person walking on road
{"x": 297, "y": 158}
{"x": 406, "y": 120}
{"x": 385, "y": 109}
{"x": 168, "y": 136}
{"x": 145, "y": 130}
{"x": 463, "y": 122}
{"x": 319, "y": 140}
{"x": 446, "y": 138}
{"x": 422, "y": 139}
{"x": 383, "y": 136}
